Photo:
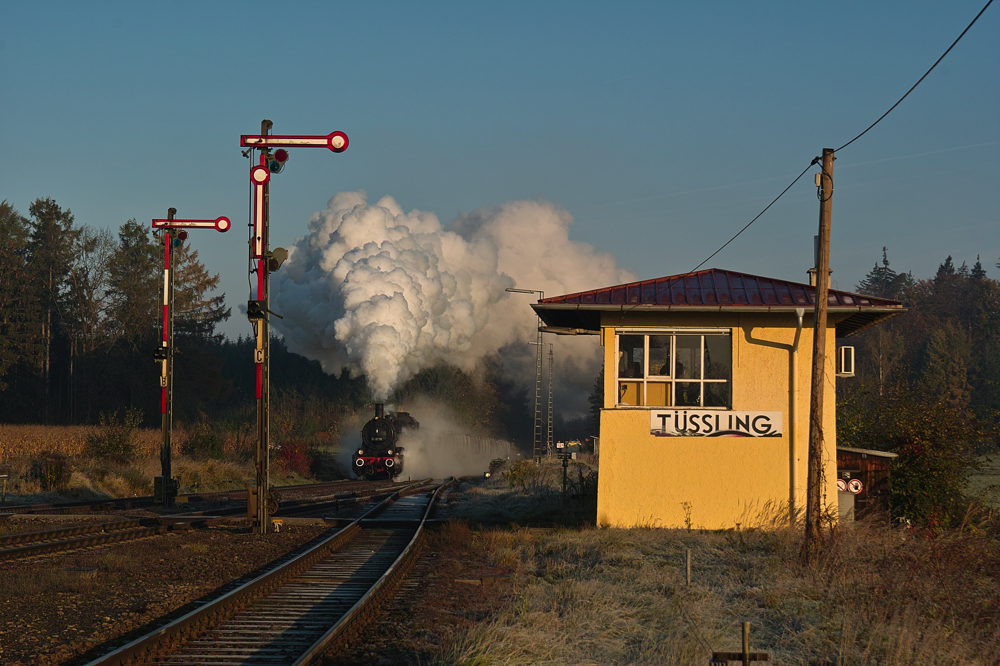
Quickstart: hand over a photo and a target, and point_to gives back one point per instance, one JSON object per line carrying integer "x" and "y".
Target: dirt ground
{"x": 69, "y": 608}
{"x": 449, "y": 589}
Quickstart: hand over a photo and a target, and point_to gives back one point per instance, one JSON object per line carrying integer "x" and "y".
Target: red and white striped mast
{"x": 265, "y": 261}
{"x": 174, "y": 233}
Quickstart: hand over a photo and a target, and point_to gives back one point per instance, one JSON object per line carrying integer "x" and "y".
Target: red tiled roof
{"x": 716, "y": 287}
{"x": 709, "y": 290}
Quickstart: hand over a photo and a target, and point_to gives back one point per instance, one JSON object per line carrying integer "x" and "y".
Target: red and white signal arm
{"x": 335, "y": 141}
{"x": 855, "y": 486}
{"x": 841, "y": 486}
{"x": 219, "y": 224}
{"x": 259, "y": 176}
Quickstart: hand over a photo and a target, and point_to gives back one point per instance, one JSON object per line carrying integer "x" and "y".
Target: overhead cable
{"x": 755, "y": 218}
{"x": 936, "y": 63}
{"x": 880, "y": 118}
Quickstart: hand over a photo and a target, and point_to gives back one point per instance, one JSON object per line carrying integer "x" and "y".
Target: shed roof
{"x": 712, "y": 290}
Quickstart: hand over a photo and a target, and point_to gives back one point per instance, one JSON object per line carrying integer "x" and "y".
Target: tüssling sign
{"x": 712, "y": 423}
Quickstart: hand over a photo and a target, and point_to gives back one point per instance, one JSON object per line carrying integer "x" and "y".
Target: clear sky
{"x": 661, "y": 127}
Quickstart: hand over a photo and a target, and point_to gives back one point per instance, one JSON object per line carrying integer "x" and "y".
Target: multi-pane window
{"x": 674, "y": 369}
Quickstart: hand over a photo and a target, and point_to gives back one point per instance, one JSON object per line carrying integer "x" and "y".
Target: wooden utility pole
{"x": 815, "y": 476}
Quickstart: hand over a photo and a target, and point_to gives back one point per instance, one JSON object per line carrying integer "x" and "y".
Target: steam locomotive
{"x": 380, "y": 456}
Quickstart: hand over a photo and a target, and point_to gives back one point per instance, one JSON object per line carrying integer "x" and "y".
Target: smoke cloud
{"x": 441, "y": 447}
{"x": 386, "y": 293}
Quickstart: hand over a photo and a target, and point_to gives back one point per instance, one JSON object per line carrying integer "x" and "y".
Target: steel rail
{"x": 31, "y": 544}
{"x": 115, "y": 503}
{"x": 369, "y": 602}
{"x": 100, "y": 538}
{"x": 166, "y": 637}
{"x": 18, "y": 538}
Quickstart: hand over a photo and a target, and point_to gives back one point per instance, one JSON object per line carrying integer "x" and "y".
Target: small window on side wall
{"x": 674, "y": 369}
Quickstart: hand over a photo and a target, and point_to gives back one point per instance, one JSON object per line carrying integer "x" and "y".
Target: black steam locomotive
{"x": 380, "y": 456}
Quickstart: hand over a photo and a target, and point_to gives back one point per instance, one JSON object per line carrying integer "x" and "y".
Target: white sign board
{"x": 713, "y": 423}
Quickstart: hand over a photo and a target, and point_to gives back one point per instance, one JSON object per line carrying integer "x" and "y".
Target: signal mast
{"x": 174, "y": 234}
{"x": 260, "y": 504}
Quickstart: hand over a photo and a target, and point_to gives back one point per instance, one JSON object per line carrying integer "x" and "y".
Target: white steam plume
{"x": 388, "y": 293}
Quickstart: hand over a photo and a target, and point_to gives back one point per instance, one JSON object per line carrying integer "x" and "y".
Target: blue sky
{"x": 661, "y": 127}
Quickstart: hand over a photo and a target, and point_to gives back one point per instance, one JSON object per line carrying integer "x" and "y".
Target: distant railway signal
{"x": 174, "y": 234}
{"x": 266, "y": 261}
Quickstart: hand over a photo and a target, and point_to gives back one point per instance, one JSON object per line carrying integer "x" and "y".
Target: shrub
{"x": 521, "y": 473}
{"x": 115, "y": 438}
{"x": 294, "y": 457}
{"x": 203, "y": 442}
{"x": 51, "y": 470}
{"x": 496, "y": 465}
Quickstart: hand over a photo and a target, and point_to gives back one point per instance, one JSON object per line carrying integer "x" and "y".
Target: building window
{"x": 674, "y": 369}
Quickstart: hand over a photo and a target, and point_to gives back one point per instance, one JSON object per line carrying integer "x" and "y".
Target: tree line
{"x": 81, "y": 316}
{"x": 927, "y": 385}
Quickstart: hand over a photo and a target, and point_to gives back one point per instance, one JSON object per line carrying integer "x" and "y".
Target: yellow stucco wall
{"x": 716, "y": 482}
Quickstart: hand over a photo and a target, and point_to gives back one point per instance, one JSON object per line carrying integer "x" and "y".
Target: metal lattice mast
{"x": 537, "y": 447}
{"x": 548, "y": 448}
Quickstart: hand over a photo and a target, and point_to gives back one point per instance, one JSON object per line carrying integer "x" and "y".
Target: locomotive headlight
{"x": 361, "y": 452}
{"x": 389, "y": 452}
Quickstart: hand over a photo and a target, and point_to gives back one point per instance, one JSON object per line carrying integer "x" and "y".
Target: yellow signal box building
{"x": 706, "y": 394}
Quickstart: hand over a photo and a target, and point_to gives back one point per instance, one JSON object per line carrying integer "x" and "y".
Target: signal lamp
{"x": 255, "y": 310}
{"x": 183, "y": 235}
{"x": 277, "y": 161}
{"x": 275, "y": 258}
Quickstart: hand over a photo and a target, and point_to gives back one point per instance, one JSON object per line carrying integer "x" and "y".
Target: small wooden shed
{"x": 872, "y": 469}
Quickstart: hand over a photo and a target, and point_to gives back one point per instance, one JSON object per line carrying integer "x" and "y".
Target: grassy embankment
{"x": 581, "y": 595}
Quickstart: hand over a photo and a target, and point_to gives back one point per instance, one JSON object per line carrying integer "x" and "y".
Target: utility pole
{"x": 260, "y": 504}
{"x": 174, "y": 233}
{"x": 815, "y": 476}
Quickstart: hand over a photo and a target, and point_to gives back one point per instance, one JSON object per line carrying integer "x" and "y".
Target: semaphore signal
{"x": 174, "y": 234}
{"x": 260, "y": 503}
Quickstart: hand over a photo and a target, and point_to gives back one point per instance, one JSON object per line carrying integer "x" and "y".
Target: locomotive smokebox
{"x": 379, "y": 410}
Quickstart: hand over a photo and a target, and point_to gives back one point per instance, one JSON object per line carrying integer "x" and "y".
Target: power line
{"x": 816, "y": 160}
{"x": 755, "y": 217}
{"x": 936, "y": 63}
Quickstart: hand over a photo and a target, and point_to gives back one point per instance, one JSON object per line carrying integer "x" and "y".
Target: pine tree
{"x": 135, "y": 284}
{"x": 51, "y": 244}
{"x": 197, "y": 312}
{"x": 883, "y": 282}
{"x": 945, "y": 377}
{"x": 20, "y": 316}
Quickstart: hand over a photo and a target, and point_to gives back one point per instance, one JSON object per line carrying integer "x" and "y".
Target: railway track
{"x": 296, "y": 611}
{"x": 127, "y": 503}
{"x": 32, "y": 544}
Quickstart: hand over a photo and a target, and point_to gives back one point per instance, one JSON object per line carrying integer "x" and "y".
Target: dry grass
{"x": 92, "y": 478}
{"x": 19, "y": 441}
{"x": 880, "y": 595}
